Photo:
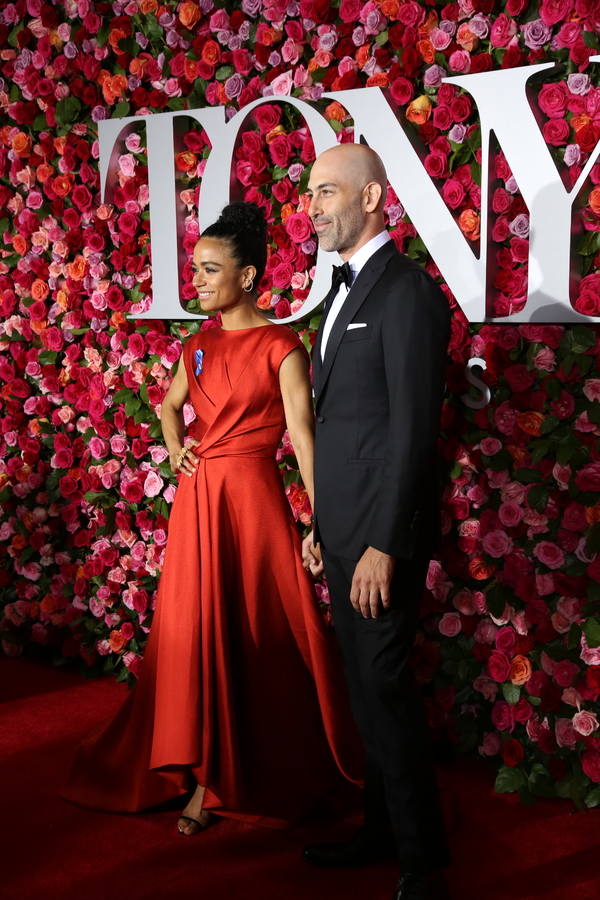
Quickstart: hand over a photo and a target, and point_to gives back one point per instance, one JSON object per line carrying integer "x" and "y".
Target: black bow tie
{"x": 342, "y": 275}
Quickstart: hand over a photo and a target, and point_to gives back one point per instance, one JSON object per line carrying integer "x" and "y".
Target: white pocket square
{"x": 356, "y": 325}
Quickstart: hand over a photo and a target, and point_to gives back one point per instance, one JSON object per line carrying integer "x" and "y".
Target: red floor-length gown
{"x": 241, "y": 683}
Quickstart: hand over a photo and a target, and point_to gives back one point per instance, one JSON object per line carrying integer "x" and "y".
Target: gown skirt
{"x": 241, "y": 688}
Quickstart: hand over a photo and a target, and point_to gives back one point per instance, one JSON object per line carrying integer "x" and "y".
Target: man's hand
{"x": 311, "y": 556}
{"x": 371, "y": 580}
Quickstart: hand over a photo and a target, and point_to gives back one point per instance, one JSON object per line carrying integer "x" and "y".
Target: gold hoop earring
{"x": 251, "y": 288}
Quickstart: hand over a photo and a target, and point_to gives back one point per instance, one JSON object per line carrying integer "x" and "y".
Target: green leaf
{"x": 541, "y": 783}
{"x": 583, "y": 337}
{"x": 590, "y": 39}
{"x": 67, "y": 110}
{"x": 527, "y": 476}
{"x": 509, "y": 780}
{"x": 593, "y": 798}
{"x": 455, "y": 470}
{"x": 102, "y": 34}
{"x": 12, "y": 38}
{"x": 538, "y": 497}
{"x": 554, "y": 388}
{"x": 497, "y": 597}
{"x": 382, "y": 38}
{"x": 549, "y": 424}
{"x": 540, "y": 450}
{"x": 511, "y": 692}
{"x": 564, "y": 453}
{"x": 592, "y": 544}
{"x": 121, "y": 110}
{"x": 574, "y": 636}
{"x": 132, "y": 404}
{"x": 591, "y": 629}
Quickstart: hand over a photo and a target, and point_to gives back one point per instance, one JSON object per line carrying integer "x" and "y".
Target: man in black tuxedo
{"x": 379, "y": 365}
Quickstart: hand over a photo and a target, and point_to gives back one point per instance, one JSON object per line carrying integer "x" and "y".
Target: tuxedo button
{"x": 320, "y": 419}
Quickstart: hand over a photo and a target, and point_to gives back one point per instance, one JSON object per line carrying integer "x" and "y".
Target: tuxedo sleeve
{"x": 415, "y": 336}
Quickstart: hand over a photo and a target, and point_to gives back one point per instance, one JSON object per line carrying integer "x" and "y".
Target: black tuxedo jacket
{"x": 379, "y": 393}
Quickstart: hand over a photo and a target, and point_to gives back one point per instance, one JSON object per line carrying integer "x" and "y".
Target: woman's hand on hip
{"x": 185, "y": 460}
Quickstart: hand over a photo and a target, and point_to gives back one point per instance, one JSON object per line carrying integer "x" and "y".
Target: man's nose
{"x": 313, "y": 207}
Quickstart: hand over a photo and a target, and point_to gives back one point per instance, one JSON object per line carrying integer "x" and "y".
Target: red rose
{"x": 512, "y": 752}
{"x": 499, "y": 666}
{"x": 519, "y": 377}
{"x": 283, "y": 309}
{"x": 557, "y": 132}
{"x": 267, "y": 117}
{"x": 547, "y": 741}
{"x": 588, "y": 478}
{"x": 67, "y": 485}
{"x": 402, "y": 90}
{"x": 299, "y": 227}
{"x": 587, "y": 137}
{"x": 133, "y": 491}
{"x": 481, "y": 62}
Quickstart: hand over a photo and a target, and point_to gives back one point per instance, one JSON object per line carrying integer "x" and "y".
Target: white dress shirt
{"x": 360, "y": 258}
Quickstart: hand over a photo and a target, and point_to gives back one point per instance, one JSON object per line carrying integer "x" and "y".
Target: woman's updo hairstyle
{"x": 243, "y": 226}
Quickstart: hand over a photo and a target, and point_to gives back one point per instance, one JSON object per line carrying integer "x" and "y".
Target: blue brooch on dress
{"x": 198, "y": 360}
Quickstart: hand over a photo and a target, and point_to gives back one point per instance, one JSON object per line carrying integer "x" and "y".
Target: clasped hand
{"x": 370, "y": 582}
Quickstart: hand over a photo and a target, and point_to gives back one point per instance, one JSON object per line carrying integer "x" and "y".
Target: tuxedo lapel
{"x": 316, "y": 354}
{"x": 365, "y": 281}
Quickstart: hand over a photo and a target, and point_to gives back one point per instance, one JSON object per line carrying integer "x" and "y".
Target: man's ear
{"x": 373, "y": 196}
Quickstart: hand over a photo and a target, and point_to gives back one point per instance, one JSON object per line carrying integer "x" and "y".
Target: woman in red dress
{"x": 241, "y": 692}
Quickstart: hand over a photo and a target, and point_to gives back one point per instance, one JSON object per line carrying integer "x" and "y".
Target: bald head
{"x": 347, "y": 187}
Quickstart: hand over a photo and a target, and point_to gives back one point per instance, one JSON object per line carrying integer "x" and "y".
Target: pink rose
{"x": 450, "y": 625}
{"x": 485, "y": 632}
{"x": 574, "y": 517}
{"x": 490, "y": 446}
{"x": 98, "y": 447}
{"x": 153, "y": 484}
{"x": 502, "y": 716}
{"x": 549, "y": 554}
{"x": 486, "y": 686}
{"x": 502, "y": 32}
{"x": 497, "y": 543}
{"x": 585, "y": 723}
{"x": 510, "y": 514}
{"x": 464, "y": 602}
{"x": 492, "y": 744}
{"x": 506, "y": 639}
{"x": 591, "y": 389}
{"x": 545, "y": 360}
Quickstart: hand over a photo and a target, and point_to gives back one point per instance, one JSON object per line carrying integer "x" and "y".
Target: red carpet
{"x": 52, "y": 850}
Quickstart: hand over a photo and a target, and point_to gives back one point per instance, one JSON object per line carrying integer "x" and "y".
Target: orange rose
{"x": 520, "y": 670}
{"x": 20, "y": 244}
{"x": 275, "y": 133}
{"x": 117, "y": 320}
{"x": 518, "y": 454}
{"x": 479, "y": 571}
{"x": 77, "y": 268}
{"x": 44, "y": 172}
{"x": 189, "y": 14}
{"x": 362, "y": 55}
{"x": 336, "y": 111}
{"x": 468, "y": 222}
{"x": 186, "y": 161}
{"x": 34, "y": 609}
{"x": 28, "y": 521}
{"x": 379, "y": 79}
{"x": 224, "y": 99}
{"x": 287, "y": 210}
{"x": 48, "y": 604}
{"x": 427, "y": 51}
{"x": 59, "y": 144}
{"x": 116, "y": 641}
{"x": 39, "y": 289}
{"x": 211, "y": 53}
{"x": 466, "y": 38}
{"x": 592, "y": 513}
{"x": 270, "y": 36}
{"x": 138, "y": 66}
{"x": 594, "y": 201}
{"x": 21, "y": 144}
{"x": 530, "y": 422}
{"x": 577, "y": 122}
{"x": 148, "y": 6}
{"x": 62, "y": 298}
{"x": 429, "y": 24}
{"x": 19, "y": 541}
{"x": 264, "y": 301}
{"x": 114, "y": 37}
{"x": 190, "y": 69}
{"x": 390, "y": 8}
{"x": 5, "y": 135}
{"x": 63, "y": 185}
{"x": 419, "y": 110}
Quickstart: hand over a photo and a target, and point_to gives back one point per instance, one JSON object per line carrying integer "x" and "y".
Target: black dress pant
{"x": 401, "y": 789}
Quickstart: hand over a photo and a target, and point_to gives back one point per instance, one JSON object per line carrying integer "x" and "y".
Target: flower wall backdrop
{"x": 509, "y": 651}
